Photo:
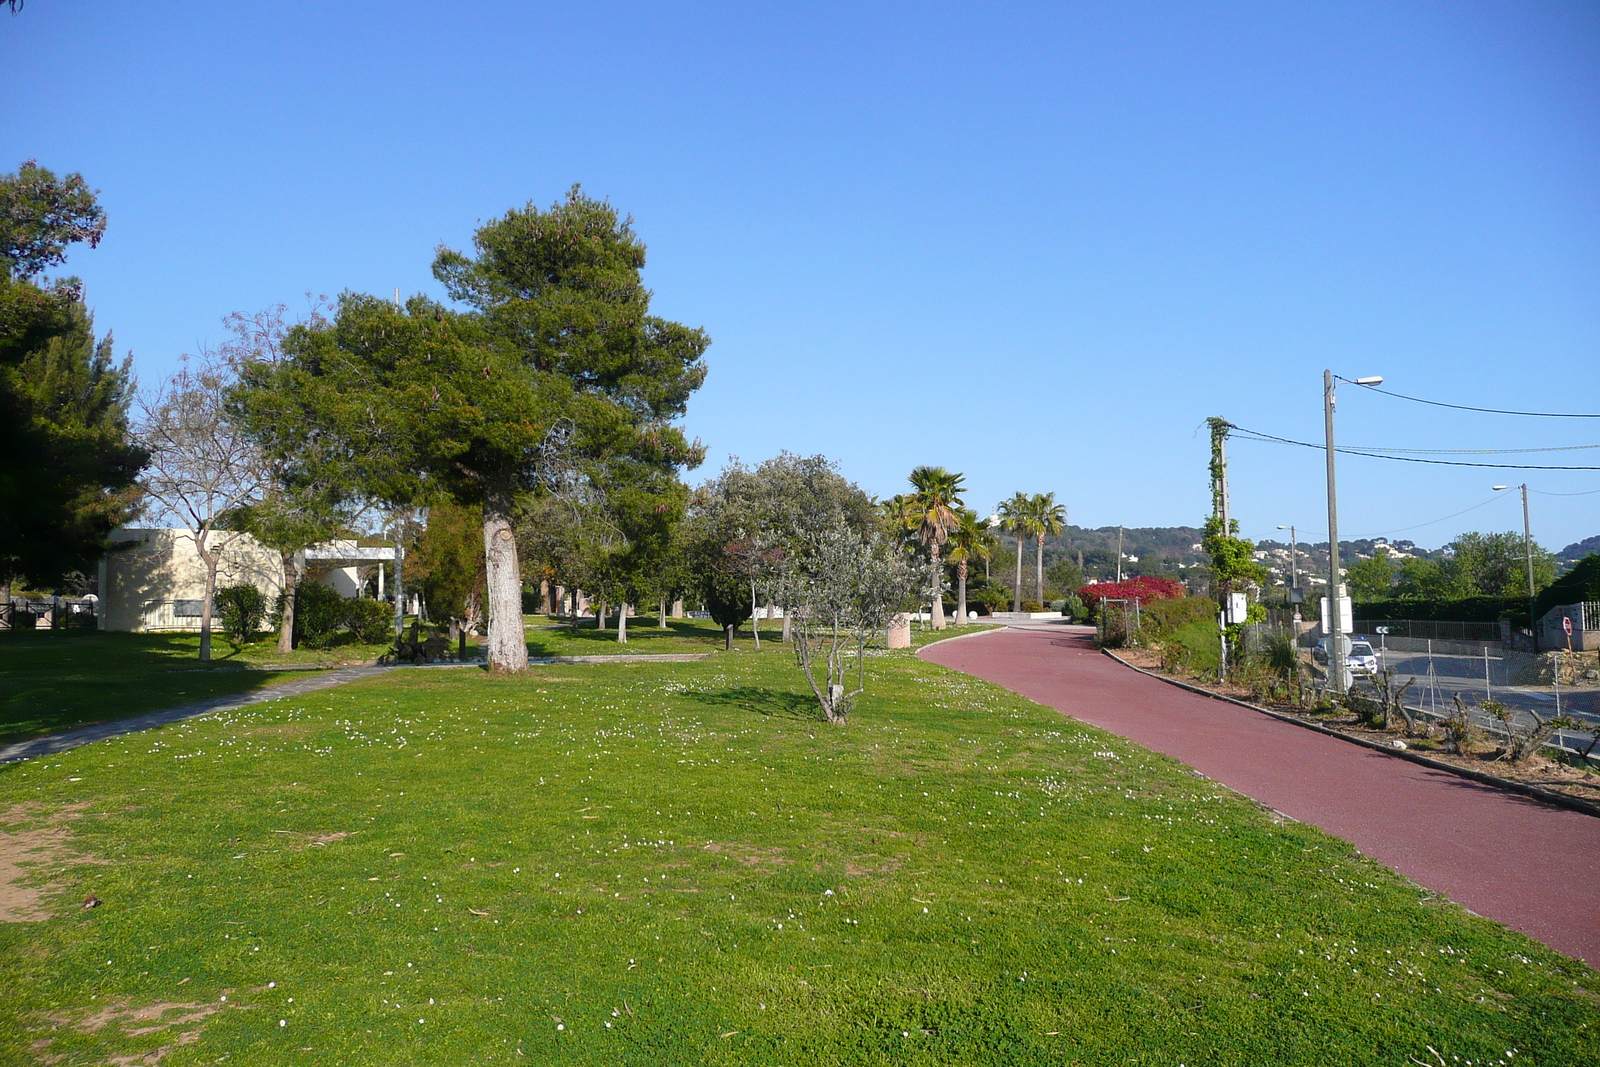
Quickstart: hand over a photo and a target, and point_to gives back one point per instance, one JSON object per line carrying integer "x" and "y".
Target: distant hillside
{"x": 1174, "y": 551}
{"x": 1577, "y": 550}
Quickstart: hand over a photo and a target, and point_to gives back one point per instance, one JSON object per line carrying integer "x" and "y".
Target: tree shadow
{"x": 770, "y": 703}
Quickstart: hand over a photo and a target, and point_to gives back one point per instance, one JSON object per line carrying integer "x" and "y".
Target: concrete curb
{"x": 1532, "y": 792}
{"x": 960, "y": 637}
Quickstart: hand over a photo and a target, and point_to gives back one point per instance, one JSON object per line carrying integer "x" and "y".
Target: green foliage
{"x": 1280, "y": 654}
{"x": 1063, "y": 574}
{"x": 1160, "y": 618}
{"x": 447, "y": 561}
{"x": 40, "y": 215}
{"x": 1029, "y": 604}
{"x": 1371, "y": 579}
{"x": 67, "y": 464}
{"x": 1073, "y": 608}
{"x": 319, "y": 613}
{"x": 1233, "y": 565}
{"x": 1580, "y": 584}
{"x": 370, "y": 622}
{"x": 1495, "y": 564}
{"x": 242, "y": 607}
{"x": 1194, "y": 647}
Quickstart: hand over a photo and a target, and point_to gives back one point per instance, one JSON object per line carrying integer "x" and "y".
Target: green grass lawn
{"x": 677, "y": 864}
{"x": 56, "y": 681}
{"x": 548, "y": 637}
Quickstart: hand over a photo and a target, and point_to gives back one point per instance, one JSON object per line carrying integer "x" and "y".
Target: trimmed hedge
{"x": 1464, "y": 609}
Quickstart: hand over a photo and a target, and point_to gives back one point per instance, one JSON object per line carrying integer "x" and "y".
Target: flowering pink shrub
{"x": 1144, "y": 590}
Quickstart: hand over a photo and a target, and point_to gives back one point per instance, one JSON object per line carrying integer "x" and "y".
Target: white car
{"x": 1361, "y": 659}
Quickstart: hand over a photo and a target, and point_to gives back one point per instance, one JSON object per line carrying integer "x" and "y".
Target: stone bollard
{"x": 900, "y": 631}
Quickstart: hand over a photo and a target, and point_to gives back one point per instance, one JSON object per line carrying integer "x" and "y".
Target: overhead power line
{"x": 1259, "y": 436}
{"x": 1468, "y": 407}
{"x": 1473, "y": 451}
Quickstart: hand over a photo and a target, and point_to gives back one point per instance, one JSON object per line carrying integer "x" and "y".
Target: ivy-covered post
{"x": 1233, "y": 565}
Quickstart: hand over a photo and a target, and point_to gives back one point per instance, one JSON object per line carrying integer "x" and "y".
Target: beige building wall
{"x": 156, "y": 581}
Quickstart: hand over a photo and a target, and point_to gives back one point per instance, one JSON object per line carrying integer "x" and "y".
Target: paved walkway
{"x": 1531, "y": 866}
{"x": 46, "y": 746}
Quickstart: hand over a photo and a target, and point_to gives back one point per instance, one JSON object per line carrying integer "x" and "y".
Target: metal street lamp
{"x": 1294, "y": 559}
{"x": 1336, "y": 665}
{"x": 1527, "y": 549}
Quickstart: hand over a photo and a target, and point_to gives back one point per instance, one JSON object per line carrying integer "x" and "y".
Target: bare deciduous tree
{"x": 202, "y": 466}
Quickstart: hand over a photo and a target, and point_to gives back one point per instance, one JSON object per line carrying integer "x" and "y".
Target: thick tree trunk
{"x": 1016, "y": 590}
{"x": 506, "y": 648}
{"x": 622, "y": 623}
{"x": 291, "y": 586}
{"x": 961, "y": 594}
{"x": 938, "y": 588}
{"x": 788, "y": 631}
{"x": 1038, "y": 574}
{"x": 727, "y": 637}
{"x": 600, "y": 615}
{"x": 663, "y": 613}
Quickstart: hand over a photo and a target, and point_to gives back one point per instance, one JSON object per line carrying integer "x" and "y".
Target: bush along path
{"x": 1531, "y": 866}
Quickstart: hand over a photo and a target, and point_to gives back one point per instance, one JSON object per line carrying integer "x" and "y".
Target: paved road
{"x": 1533, "y": 867}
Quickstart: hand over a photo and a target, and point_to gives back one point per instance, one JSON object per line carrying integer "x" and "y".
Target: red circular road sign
{"x": 1566, "y": 624}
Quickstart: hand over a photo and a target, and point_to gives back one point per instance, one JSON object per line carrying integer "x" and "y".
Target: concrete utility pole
{"x": 1335, "y": 651}
{"x": 1527, "y": 551}
{"x": 1336, "y": 655}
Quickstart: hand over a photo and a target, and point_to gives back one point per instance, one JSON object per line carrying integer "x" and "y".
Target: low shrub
{"x": 1032, "y": 605}
{"x": 319, "y": 613}
{"x": 371, "y": 622}
{"x": 1145, "y": 590}
{"x": 242, "y": 607}
{"x": 1162, "y": 617}
{"x": 1072, "y": 607}
{"x": 1195, "y": 647}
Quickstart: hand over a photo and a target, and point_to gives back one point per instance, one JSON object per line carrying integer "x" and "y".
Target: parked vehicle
{"x": 1360, "y": 659}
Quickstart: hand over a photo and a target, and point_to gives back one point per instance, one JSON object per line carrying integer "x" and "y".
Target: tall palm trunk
{"x": 1038, "y": 574}
{"x": 938, "y": 587}
{"x": 1016, "y": 589}
{"x": 961, "y": 595}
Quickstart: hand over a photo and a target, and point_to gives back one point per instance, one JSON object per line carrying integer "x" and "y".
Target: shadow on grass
{"x": 58, "y": 681}
{"x": 770, "y": 703}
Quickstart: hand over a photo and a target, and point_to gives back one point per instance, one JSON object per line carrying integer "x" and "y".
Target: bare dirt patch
{"x": 749, "y": 855}
{"x": 29, "y": 842}
{"x": 130, "y": 1021}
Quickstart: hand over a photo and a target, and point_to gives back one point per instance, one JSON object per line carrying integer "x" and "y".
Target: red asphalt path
{"x": 1531, "y": 866}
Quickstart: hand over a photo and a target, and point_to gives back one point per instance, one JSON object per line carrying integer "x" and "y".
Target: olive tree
{"x": 842, "y": 589}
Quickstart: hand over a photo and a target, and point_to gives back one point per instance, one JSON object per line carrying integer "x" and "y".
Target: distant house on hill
{"x": 153, "y": 579}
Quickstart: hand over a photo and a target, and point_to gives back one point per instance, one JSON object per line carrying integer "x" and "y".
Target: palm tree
{"x": 935, "y": 496}
{"x": 970, "y": 540}
{"x": 1049, "y": 519}
{"x": 1016, "y": 520}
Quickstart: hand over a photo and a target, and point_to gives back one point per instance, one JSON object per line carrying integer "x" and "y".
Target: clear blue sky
{"x": 1036, "y": 244}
